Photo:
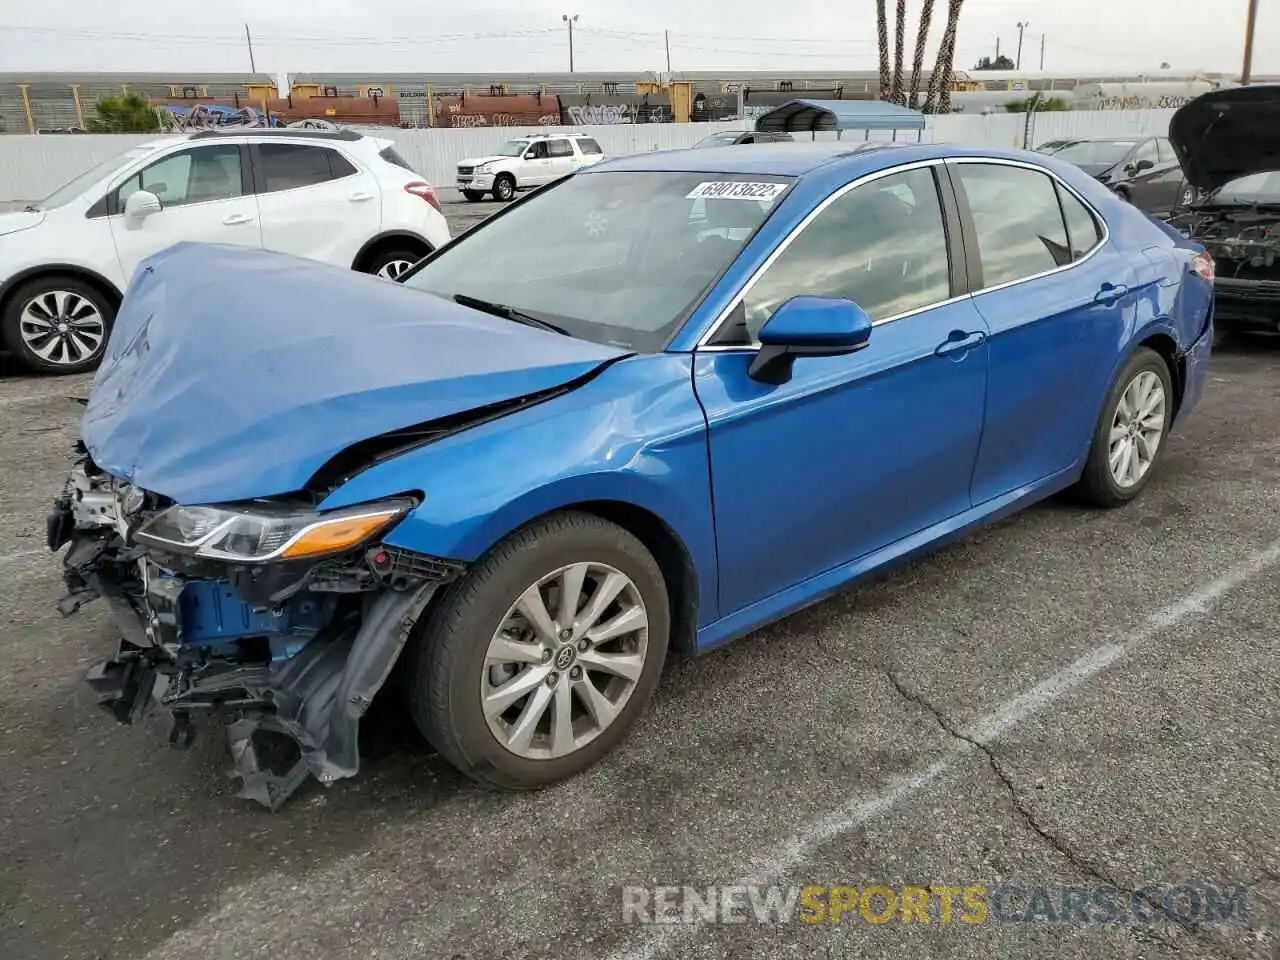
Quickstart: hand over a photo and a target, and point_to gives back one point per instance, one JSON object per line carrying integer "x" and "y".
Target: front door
{"x": 205, "y": 195}
{"x": 536, "y": 169}
{"x": 1057, "y": 301}
{"x": 856, "y": 452}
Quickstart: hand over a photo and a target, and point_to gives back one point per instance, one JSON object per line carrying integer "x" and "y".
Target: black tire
{"x": 1097, "y": 486}
{"x": 504, "y": 188}
{"x": 447, "y": 655}
{"x": 473, "y": 195}
{"x": 49, "y": 286}
{"x": 393, "y": 261}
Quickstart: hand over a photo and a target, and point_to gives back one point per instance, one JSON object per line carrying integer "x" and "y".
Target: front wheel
{"x": 1129, "y": 438}
{"x": 504, "y": 188}
{"x": 537, "y": 663}
{"x": 57, "y": 325}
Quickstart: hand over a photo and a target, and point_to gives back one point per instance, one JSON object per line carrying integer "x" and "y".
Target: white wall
{"x": 33, "y": 167}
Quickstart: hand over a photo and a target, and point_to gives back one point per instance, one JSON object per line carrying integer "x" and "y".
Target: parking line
{"x": 1008, "y": 715}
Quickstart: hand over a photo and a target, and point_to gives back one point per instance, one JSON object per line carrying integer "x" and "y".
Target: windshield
{"x": 512, "y": 148}
{"x": 1261, "y": 188}
{"x": 614, "y": 257}
{"x": 717, "y": 139}
{"x": 74, "y": 188}
{"x": 1095, "y": 152}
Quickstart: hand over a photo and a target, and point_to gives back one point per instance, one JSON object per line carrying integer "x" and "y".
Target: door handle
{"x": 237, "y": 218}
{"x": 958, "y": 341}
{"x": 360, "y": 197}
{"x": 1109, "y": 293}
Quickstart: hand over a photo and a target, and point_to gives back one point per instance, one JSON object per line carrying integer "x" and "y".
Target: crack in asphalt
{"x": 1020, "y": 807}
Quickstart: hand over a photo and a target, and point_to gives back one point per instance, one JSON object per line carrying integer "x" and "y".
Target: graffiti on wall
{"x": 593, "y": 109}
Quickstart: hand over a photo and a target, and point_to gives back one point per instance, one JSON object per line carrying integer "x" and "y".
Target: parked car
{"x": 334, "y": 196}
{"x": 1226, "y": 143}
{"x": 1141, "y": 170}
{"x": 719, "y": 387}
{"x": 729, "y": 138}
{"x": 526, "y": 163}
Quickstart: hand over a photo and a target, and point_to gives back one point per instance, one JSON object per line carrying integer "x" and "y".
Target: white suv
{"x": 525, "y": 163}
{"x": 335, "y": 196}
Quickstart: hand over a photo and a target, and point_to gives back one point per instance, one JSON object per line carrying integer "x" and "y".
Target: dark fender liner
{"x": 319, "y": 698}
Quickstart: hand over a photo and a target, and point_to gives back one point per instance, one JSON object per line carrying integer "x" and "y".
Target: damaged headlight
{"x": 260, "y": 532}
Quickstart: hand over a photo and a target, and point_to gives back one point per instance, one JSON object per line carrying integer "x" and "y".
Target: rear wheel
{"x": 504, "y": 188}
{"x": 57, "y": 324}
{"x": 539, "y": 661}
{"x": 1129, "y": 438}
{"x": 390, "y": 264}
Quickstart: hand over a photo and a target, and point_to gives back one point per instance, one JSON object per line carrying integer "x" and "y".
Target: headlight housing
{"x": 262, "y": 532}
{"x": 485, "y": 168}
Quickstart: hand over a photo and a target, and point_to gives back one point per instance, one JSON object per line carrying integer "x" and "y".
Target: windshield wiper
{"x": 509, "y": 313}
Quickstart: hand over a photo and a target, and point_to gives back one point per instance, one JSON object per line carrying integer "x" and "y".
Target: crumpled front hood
{"x": 17, "y": 220}
{"x": 479, "y": 160}
{"x": 1225, "y": 134}
{"x": 233, "y": 373}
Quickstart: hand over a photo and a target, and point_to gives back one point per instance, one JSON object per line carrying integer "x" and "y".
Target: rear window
{"x": 587, "y": 145}
{"x": 389, "y": 154}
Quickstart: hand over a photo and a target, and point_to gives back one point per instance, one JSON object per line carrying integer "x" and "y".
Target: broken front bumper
{"x": 295, "y": 707}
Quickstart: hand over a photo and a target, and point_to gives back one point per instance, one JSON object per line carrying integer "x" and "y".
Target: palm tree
{"x": 938, "y": 99}
{"x": 917, "y": 66}
{"x": 899, "y": 41}
{"x": 882, "y": 29}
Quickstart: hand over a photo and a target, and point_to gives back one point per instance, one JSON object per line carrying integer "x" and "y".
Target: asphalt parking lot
{"x": 1070, "y": 698}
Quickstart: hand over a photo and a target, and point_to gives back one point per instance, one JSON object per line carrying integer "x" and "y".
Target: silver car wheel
{"x": 1137, "y": 429}
{"x": 392, "y": 269}
{"x": 554, "y": 681}
{"x": 62, "y": 327}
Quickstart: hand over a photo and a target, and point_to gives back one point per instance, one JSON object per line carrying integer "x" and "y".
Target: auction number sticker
{"x": 735, "y": 190}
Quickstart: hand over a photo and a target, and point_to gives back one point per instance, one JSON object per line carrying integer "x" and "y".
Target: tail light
{"x": 425, "y": 192}
{"x": 1202, "y": 264}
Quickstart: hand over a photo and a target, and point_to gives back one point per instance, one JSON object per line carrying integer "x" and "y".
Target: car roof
{"x": 798, "y": 159}
{"x": 290, "y": 132}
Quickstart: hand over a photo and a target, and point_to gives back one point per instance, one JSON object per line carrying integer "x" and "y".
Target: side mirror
{"x": 141, "y": 204}
{"x": 808, "y": 327}
{"x": 1142, "y": 165}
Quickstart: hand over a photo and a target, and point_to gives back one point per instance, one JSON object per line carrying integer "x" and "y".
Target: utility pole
{"x": 997, "y": 46}
{"x": 1042, "y": 53}
{"x": 249, "y": 40}
{"x": 1247, "y": 69}
{"x": 1022, "y": 25}
{"x": 666, "y": 38}
{"x": 570, "y": 21}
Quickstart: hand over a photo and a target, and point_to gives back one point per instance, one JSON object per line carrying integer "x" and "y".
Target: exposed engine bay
{"x": 289, "y": 649}
{"x": 1244, "y": 242}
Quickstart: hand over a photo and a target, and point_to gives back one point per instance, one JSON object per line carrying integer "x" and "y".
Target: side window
{"x": 538, "y": 151}
{"x": 1019, "y": 225}
{"x": 1146, "y": 152}
{"x": 560, "y": 148}
{"x": 589, "y": 147}
{"x": 1166, "y": 150}
{"x": 286, "y": 166}
{"x": 870, "y": 246}
{"x": 1082, "y": 227}
{"x": 747, "y": 138}
{"x": 192, "y": 176}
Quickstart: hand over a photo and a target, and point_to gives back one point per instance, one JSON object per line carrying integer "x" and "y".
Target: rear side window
{"x": 560, "y": 148}
{"x": 1016, "y": 217}
{"x": 589, "y": 146}
{"x": 390, "y": 155}
{"x": 287, "y": 166}
{"x": 1083, "y": 229}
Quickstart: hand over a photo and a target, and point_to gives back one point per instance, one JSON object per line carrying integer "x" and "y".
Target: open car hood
{"x": 233, "y": 374}
{"x": 1225, "y": 134}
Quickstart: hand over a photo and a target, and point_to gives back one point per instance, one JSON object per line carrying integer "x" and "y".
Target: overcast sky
{"x": 489, "y": 36}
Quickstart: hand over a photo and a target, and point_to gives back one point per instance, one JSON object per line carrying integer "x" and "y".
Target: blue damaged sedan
{"x": 647, "y": 408}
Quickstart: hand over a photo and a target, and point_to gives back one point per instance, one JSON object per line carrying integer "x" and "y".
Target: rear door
{"x": 205, "y": 194}
{"x": 1057, "y": 305}
{"x": 315, "y": 201}
{"x": 563, "y": 159}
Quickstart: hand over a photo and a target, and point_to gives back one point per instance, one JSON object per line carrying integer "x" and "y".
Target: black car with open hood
{"x": 1228, "y": 143}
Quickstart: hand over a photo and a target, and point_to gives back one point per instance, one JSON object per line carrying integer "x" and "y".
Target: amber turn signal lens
{"x": 336, "y": 535}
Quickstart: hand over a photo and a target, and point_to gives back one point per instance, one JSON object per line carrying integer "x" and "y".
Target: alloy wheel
{"x": 62, "y": 327}
{"x": 564, "y": 661}
{"x": 1137, "y": 428}
{"x": 393, "y": 269}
